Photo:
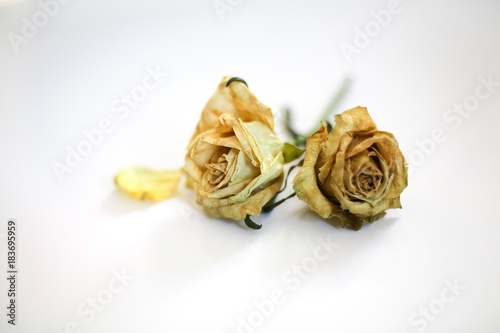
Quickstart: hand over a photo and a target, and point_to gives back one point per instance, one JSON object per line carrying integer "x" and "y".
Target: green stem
{"x": 288, "y": 174}
{"x": 273, "y": 199}
{"x": 334, "y": 101}
{"x": 300, "y": 140}
{"x": 277, "y": 203}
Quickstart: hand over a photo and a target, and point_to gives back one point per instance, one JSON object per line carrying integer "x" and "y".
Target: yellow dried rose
{"x": 234, "y": 161}
{"x": 355, "y": 173}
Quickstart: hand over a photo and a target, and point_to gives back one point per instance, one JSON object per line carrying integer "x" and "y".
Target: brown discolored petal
{"x": 356, "y": 172}
{"x": 356, "y": 119}
{"x": 305, "y": 183}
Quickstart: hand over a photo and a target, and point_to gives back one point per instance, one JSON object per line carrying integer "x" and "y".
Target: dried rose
{"x": 355, "y": 173}
{"x": 234, "y": 161}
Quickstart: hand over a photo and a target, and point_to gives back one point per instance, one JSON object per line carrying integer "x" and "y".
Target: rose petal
{"x": 227, "y": 192}
{"x": 237, "y": 100}
{"x": 251, "y": 206}
{"x": 143, "y": 183}
{"x": 356, "y": 119}
{"x": 305, "y": 183}
{"x": 217, "y": 140}
{"x": 244, "y": 169}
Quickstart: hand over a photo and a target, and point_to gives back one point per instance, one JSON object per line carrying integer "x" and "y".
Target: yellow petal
{"x": 237, "y": 100}
{"x": 251, "y": 206}
{"x": 143, "y": 183}
{"x": 268, "y": 149}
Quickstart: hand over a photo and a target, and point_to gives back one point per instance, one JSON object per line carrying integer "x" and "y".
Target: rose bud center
{"x": 364, "y": 174}
{"x": 219, "y": 169}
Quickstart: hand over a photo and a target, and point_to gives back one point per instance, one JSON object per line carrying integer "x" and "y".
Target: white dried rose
{"x": 234, "y": 161}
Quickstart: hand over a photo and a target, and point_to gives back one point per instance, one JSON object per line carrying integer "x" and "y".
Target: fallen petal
{"x": 143, "y": 183}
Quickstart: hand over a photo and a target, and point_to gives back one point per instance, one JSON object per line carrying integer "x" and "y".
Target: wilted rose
{"x": 234, "y": 161}
{"x": 355, "y": 173}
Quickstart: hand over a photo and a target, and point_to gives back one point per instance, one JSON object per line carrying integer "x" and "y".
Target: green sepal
{"x": 291, "y": 152}
{"x": 239, "y": 79}
{"x": 251, "y": 224}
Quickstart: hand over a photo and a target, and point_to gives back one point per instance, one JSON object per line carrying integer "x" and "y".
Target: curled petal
{"x": 237, "y": 100}
{"x": 251, "y": 206}
{"x": 356, "y": 119}
{"x": 235, "y": 160}
{"x": 355, "y": 173}
{"x": 305, "y": 183}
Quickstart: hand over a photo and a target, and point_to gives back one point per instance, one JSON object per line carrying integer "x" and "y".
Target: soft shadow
{"x": 334, "y": 222}
{"x": 307, "y": 214}
{"x": 388, "y": 221}
{"x": 188, "y": 199}
{"x": 118, "y": 203}
{"x": 264, "y": 219}
{"x": 240, "y": 224}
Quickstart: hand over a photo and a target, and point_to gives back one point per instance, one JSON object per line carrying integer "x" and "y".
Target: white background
{"x": 192, "y": 273}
